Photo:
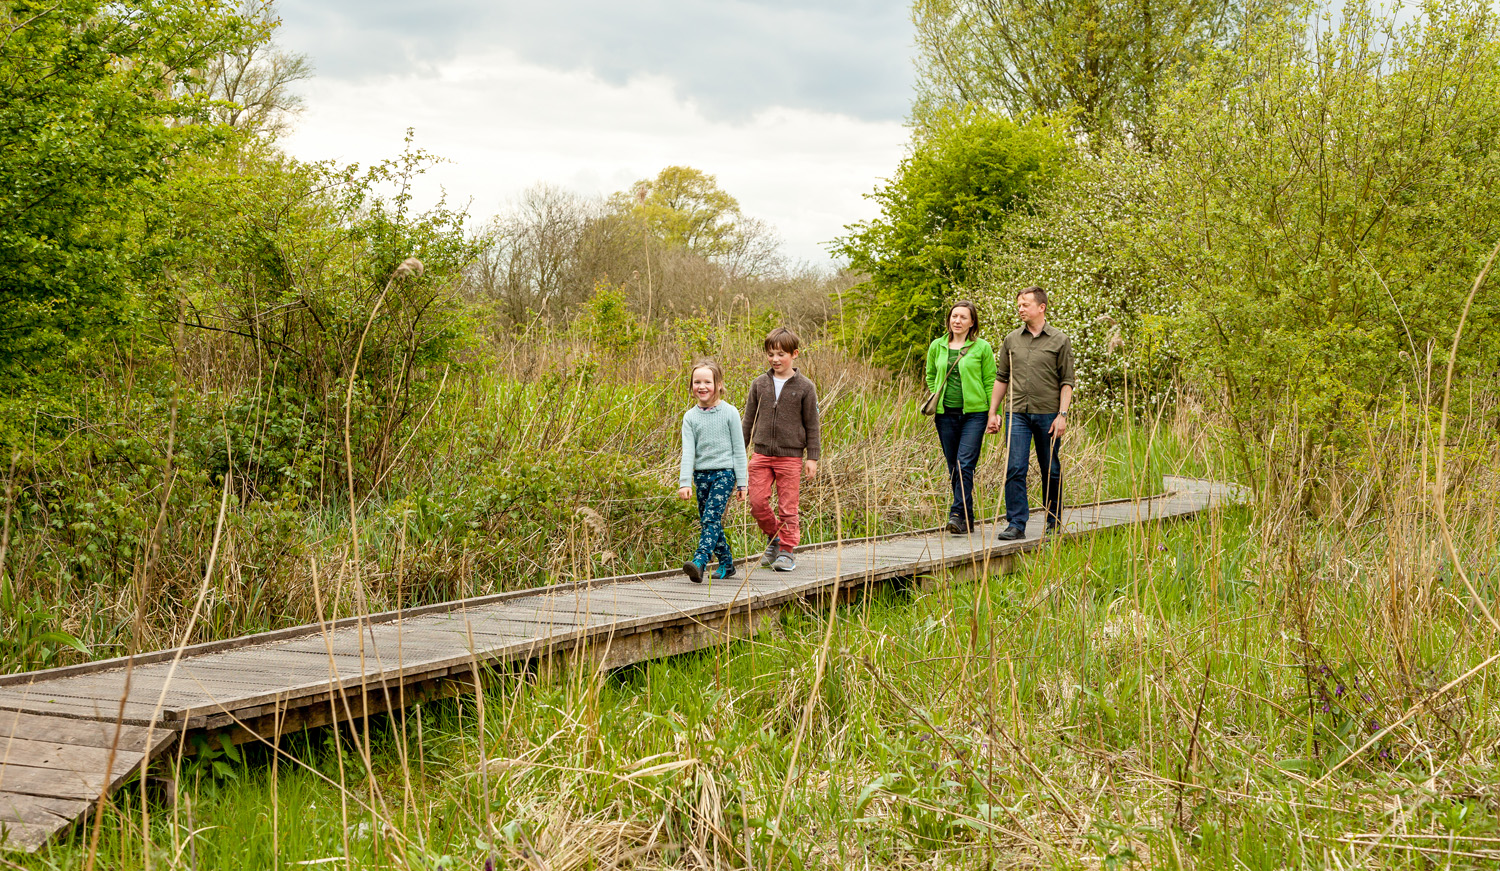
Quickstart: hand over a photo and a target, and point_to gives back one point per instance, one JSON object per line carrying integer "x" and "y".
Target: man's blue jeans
{"x": 962, "y": 434}
{"x": 1026, "y": 430}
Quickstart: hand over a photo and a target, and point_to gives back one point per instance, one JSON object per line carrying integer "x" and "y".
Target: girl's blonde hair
{"x": 710, "y": 365}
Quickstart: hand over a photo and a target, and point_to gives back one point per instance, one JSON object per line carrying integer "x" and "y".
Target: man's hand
{"x": 993, "y": 426}
{"x": 685, "y": 493}
{"x": 1058, "y": 427}
{"x": 810, "y": 468}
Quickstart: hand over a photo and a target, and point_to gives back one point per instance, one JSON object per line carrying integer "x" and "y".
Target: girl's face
{"x": 705, "y": 390}
{"x": 959, "y": 321}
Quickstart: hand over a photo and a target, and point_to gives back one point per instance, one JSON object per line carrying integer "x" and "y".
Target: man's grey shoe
{"x": 1012, "y": 533}
{"x": 773, "y": 547}
{"x": 784, "y": 563}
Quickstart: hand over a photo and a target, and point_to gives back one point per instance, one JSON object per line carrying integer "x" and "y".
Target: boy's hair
{"x": 782, "y": 339}
{"x": 710, "y": 365}
{"x": 1038, "y": 295}
{"x": 973, "y": 316}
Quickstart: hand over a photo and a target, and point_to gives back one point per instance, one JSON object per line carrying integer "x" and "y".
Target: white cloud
{"x": 506, "y": 124}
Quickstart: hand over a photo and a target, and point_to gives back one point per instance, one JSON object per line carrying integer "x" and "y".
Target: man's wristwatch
{"x": 1062, "y": 414}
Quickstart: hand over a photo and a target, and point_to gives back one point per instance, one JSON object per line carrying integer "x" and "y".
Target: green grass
{"x": 1157, "y": 696}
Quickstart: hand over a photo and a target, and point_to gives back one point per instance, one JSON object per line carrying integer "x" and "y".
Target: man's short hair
{"x": 1038, "y": 295}
{"x": 782, "y": 339}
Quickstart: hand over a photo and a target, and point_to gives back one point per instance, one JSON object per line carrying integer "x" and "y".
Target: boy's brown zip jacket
{"x": 785, "y": 427}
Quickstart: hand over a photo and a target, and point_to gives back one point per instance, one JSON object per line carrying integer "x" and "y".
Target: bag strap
{"x": 954, "y": 362}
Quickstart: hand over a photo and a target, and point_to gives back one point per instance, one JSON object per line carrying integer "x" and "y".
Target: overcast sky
{"x": 796, "y": 107}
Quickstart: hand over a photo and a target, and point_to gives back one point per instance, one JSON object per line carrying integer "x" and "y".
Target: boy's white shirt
{"x": 780, "y": 382}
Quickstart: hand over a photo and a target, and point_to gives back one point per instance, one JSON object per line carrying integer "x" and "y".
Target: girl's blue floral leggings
{"x": 714, "y": 487}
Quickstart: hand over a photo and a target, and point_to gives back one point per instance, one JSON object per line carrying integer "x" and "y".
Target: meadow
{"x": 1300, "y": 681}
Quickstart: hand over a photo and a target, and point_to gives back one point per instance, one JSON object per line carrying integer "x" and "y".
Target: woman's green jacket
{"x": 976, "y": 370}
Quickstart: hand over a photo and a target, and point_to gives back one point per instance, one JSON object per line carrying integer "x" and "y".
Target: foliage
{"x": 968, "y": 169}
{"x": 91, "y": 120}
{"x": 1093, "y": 242}
{"x": 249, "y": 86}
{"x": 1327, "y": 206}
{"x": 607, "y": 321}
{"x": 678, "y": 245}
{"x": 685, "y": 208}
{"x": 291, "y": 267}
{"x": 1110, "y": 63}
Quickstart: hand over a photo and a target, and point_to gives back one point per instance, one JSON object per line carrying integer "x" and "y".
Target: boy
{"x": 781, "y": 428}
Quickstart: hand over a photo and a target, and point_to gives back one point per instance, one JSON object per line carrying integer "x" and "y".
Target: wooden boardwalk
{"x": 72, "y": 734}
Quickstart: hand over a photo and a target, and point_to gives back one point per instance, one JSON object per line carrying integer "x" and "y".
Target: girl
{"x": 713, "y": 462}
{"x": 961, "y": 368}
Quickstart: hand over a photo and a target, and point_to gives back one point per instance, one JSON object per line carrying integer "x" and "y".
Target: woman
{"x": 961, "y": 369}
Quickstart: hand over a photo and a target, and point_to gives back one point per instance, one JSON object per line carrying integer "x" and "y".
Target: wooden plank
{"x": 29, "y": 837}
{"x": 109, "y": 687}
{"x": 101, "y": 703}
{"x": 57, "y": 783}
{"x": 84, "y": 733}
{"x": 52, "y": 756}
{"x": 11, "y": 700}
{"x": 36, "y": 810}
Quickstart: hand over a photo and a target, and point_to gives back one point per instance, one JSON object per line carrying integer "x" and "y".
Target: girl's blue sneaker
{"x": 725, "y": 570}
{"x": 693, "y": 570}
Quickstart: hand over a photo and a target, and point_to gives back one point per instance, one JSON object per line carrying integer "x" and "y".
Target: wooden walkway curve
{"x": 67, "y": 735}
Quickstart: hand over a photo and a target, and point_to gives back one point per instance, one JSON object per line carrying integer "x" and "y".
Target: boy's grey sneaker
{"x": 784, "y": 562}
{"x": 725, "y": 570}
{"x": 693, "y": 571}
{"x": 773, "y": 547}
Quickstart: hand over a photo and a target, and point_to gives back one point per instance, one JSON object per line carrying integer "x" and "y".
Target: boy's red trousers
{"x": 786, "y": 474}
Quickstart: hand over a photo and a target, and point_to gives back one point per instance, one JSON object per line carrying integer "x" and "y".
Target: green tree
{"x": 92, "y": 114}
{"x": 685, "y": 208}
{"x": 967, "y": 171}
{"x": 1108, "y": 62}
{"x": 250, "y": 85}
{"x": 1327, "y": 205}
{"x": 288, "y": 267}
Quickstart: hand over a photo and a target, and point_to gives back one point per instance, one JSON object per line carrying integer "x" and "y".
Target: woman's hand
{"x": 685, "y": 493}
{"x": 739, "y": 494}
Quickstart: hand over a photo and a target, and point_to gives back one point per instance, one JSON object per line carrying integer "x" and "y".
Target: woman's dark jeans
{"x": 961, "y": 434}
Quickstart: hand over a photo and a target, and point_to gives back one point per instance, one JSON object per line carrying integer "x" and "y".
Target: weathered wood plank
{"x": 36, "y": 703}
{"x": 84, "y": 733}
{"x": 22, "y": 752}
{"x": 53, "y": 783}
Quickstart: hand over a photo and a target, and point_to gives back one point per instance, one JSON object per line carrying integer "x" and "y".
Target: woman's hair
{"x": 973, "y": 315}
{"x": 710, "y": 365}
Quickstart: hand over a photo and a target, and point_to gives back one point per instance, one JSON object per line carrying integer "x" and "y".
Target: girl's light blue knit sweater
{"x": 711, "y": 439}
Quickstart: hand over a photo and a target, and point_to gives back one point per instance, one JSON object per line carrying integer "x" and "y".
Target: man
{"x": 1035, "y": 367}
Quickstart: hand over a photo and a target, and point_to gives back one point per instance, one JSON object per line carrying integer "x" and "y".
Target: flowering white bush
{"x": 1090, "y": 243}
